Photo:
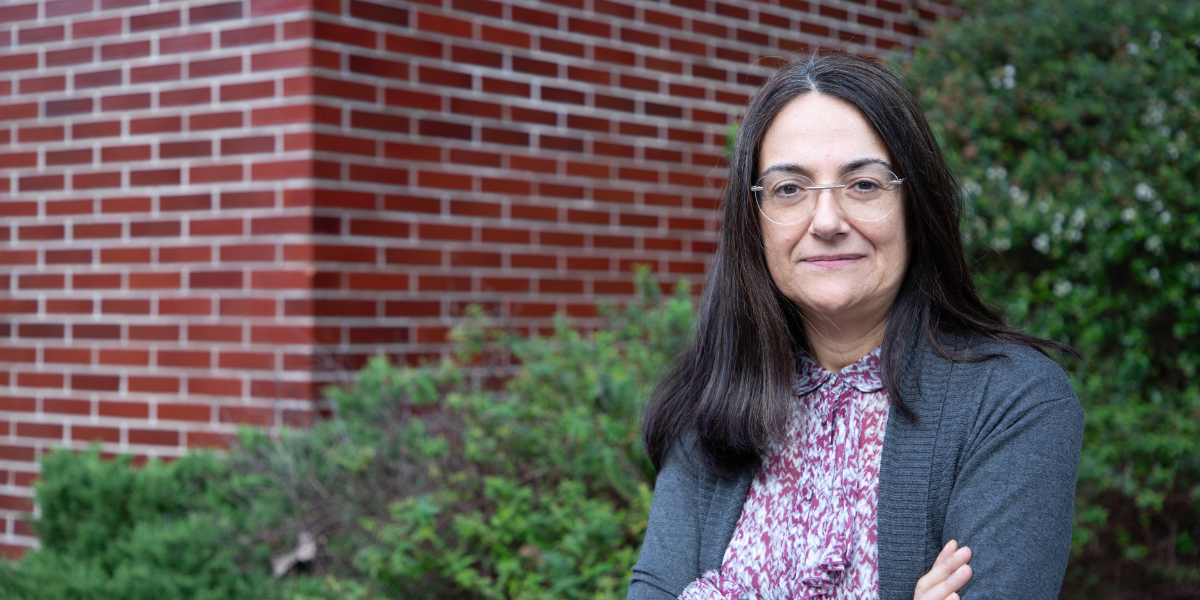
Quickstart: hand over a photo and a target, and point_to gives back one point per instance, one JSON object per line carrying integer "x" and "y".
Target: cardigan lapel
{"x": 904, "y": 474}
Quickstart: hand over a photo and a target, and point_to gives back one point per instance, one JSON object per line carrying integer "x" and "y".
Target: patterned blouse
{"x": 808, "y": 527}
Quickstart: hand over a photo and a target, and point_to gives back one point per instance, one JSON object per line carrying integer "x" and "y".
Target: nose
{"x": 827, "y": 219}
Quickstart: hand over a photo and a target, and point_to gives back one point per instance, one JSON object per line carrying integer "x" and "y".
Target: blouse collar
{"x": 864, "y": 374}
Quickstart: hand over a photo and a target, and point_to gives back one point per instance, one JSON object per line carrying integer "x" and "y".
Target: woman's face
{"x": 830, "y": 264}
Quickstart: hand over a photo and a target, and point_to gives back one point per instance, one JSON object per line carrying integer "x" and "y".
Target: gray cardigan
{"x": 991, "y": 461}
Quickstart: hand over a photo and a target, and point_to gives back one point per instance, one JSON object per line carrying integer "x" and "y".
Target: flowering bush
{"x": 1074, "y": 126}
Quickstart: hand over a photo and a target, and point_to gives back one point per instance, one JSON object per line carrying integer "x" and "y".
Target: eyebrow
{"x": 846, "y": 168}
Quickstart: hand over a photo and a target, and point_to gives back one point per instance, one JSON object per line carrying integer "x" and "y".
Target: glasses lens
{"x": 785, "y": 196}
{"x": 870, "y": 194}
{"x": 864, "y": 195}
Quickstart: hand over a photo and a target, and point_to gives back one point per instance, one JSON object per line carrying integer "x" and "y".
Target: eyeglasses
{"x": 865, "y": 195}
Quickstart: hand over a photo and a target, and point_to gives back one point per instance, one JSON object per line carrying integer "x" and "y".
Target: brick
{"x": 247, "y": 360}
{"x": 53, "y": 133}
{"x": 379, "y": 13}
{"x": 40, "y": 430}
{"x": 58, "y": 108}
{"x": 159, "y": 20}
{"x": 378, "y": 281}
{"x": 153, "y": 437}
{"x": 126, "y": 357}
{"x": 35, "y": 85}
{"x": 72, "y": 56}
{"x": 154, "y": 281}
{"x": 185, "y": 43}
{"x": 155, "y": 125}
{"x": 154, "y": 333}
{"x": 206, "y": 439}
{"x": 345, "y": 34}
{"x": 95, "y": 383}
{"x": 507, "y": 88}
{"x": 96, "y": 28}
{"x": 184, "y": 149}
{"x": 476, "y": 56}
{"x": 154, "y": 73}
{"x": 440, "y": 24}
{"x": 214, "y": 67}
{"x": 124, "y": 50}
{"x": 214, "y": 333}
{"x": 507, "y": 37}
{"x": 95, "y": 130}
{"x": 87, "y": 331}
{"x": 82, "y": 433}
{"x": 215, "y": 279}
{"x": 444, "y": 77}
{"x": 557, "y": 46}
{"x": 247, "y": 91}
{"x": 40, "y": 380}
{"x": 171, "y": 411}
{"x": 98, "y": 281}
{"x": 214, "y": 12}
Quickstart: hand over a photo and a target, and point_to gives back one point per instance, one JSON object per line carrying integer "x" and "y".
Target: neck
{"x": 837, "y": 343}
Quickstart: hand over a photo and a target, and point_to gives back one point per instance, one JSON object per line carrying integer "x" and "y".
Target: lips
{"x": 833, "y": 261}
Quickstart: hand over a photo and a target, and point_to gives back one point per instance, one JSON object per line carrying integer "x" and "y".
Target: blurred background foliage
{"x": 1072, "y": 125}
{"x": 424, "y": 484}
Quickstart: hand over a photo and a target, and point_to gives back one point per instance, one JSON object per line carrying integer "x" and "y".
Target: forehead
{"x": 821, "y": 134}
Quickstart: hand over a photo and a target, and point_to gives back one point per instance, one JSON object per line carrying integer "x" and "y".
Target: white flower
{"x": 1062, "y": 288}
{"x": 1073, "y": 235}
{"x": 1153, "y": 243}
{"x": 1131, "y": 48}
{"x": 1144, "y": 192}
{"x": 997, "y": 173}
{"x": 1154, "y": 274}
{"x": 1164, "y": 131}
{"x": 1106, "y": 165}
{"x": 1128, "y": 215}
{"x": 1014, "y": 192}
{"x": 1041, "y": 243}
{"x": 1155, "y": 38}
{"x": 1165, "y": 217}
{"x": 1078, "y": 218}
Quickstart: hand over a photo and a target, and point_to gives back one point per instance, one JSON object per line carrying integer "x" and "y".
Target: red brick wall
{"x": 207, "y": 210}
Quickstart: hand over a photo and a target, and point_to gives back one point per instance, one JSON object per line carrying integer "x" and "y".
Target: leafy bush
{"x": 1074, "y": 125}
{"x": 425, "y": 484}
{"x": 539, "y": 490}
{"x": 110, "y": 531}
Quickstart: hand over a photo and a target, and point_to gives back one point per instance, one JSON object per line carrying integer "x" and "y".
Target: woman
{"x": 850, "y": 410}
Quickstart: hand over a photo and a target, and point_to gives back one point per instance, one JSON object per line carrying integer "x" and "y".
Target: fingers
{"x": 952, "y": 584}
{"x": 948, "y": 575}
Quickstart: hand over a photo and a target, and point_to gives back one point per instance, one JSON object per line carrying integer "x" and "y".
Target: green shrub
{"x": 1074, "y": 124}
{"x": 111, "y": 531}
{"x": 550, "y": 490}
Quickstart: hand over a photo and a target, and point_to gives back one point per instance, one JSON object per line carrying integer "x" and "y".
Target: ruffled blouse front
{"x": 808, "y": 527}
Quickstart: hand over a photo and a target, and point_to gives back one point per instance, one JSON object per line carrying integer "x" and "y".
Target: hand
{"x": 949, "y": 573}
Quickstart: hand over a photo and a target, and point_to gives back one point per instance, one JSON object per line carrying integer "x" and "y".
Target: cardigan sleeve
{"x": 670, "y": 556}
{"x": 1013, "y": 498}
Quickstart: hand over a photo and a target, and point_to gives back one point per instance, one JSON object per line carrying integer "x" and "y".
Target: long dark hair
{"x": 732, "y": 386}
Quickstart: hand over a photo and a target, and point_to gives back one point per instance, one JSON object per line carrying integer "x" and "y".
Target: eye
{"x": 865, "y": 185}
{"x": 787, "y": 189}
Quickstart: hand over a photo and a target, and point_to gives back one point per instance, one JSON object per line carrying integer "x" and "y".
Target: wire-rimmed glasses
{"x": 867, "y": 194}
